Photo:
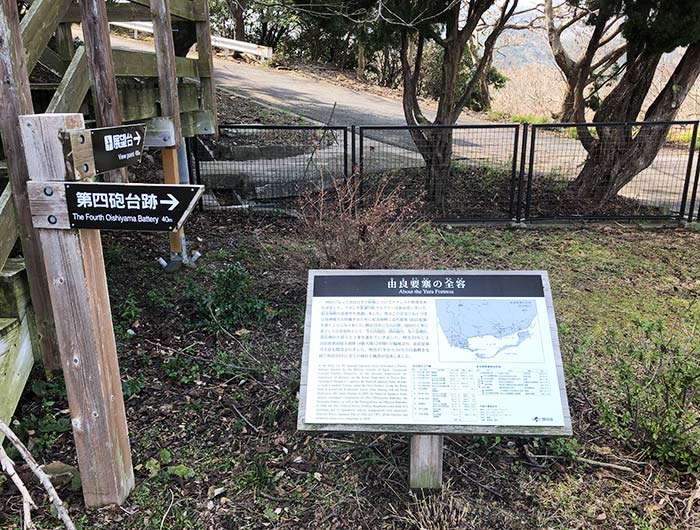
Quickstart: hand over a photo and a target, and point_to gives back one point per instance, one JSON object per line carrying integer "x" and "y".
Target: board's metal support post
{"x": 77, "y": 286}
{"x": 426, "y": 462}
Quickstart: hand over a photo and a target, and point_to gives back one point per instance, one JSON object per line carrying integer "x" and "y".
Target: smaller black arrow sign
{"x": 117, "y": 147}
{"x": 138, "y": 207}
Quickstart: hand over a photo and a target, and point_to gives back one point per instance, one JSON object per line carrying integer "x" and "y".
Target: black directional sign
{"x": 117, "y": 147}
{"x": 139, "y": 207}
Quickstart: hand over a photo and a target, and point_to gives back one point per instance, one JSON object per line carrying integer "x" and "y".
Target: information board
{"x": 432, "y": 352}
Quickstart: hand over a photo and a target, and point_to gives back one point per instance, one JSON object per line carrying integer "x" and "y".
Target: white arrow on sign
{"x": 137, "y": 137}
{"x": 173, "y": 202}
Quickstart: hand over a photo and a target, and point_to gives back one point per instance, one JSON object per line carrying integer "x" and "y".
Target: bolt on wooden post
{"x": 78, "y": 290}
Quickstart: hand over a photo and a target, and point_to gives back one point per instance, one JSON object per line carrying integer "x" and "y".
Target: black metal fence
{"x": 480, "y": 172}
{"x": 263, "y": 165}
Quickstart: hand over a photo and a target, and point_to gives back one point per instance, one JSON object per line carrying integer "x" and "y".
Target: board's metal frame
{"x": 565, "y": 430}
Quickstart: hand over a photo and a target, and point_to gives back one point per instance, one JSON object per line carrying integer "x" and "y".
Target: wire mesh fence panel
{"x": 610, "y": 170}
{"x": 251, "y": 166}
{"x": 461, "y": 172}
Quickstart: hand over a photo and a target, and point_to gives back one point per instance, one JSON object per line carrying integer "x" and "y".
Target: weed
{"x": 182, "y": 368}
{"x": 182, "y": 471}
{"x": 133, "y": 386}
{"x": 653, "y": 402}
{"x": 567, "y": 448}
{"x": 359, "y": 226}
{"x": 233, "y": 303}
{"x": 129, "y": 312}
{"x": 257, "y": 475}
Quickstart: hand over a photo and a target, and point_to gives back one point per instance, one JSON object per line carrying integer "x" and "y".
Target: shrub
{"x": 356, "y": 228}
{"x": 232, "y": 303}
{"x": 653, "y": 401}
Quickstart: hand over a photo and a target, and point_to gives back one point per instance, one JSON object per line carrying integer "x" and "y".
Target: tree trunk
{"x": 615, "y": 161}
{"x": 567, "y": 112}
{"x": 361, "y": 60}
{"x": 435, "y": 146}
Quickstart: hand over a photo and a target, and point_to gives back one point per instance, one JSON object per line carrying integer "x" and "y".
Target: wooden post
{"x": 170, "y": 107}
{"x": 16, "y": 99}
{"x": 165, "y": 60}
{"x": 78, "y": 288}
{"x": 64, "y": 42}
{"x": 426, "y": 462}
{"x": 171, "y": 176}
{"x": 98, "y": 48}
{"x": 206, "y": 64}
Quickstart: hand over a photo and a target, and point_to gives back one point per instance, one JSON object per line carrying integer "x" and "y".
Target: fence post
{"x": 345, "y": 152}
{"x": 514, "y": 171}
{"x": 528, "y": 196}
{"x": 353, "y": 148}
{"x": 521, "y": 179}
{"x": 693, "y": 194}
{"x": 362, "y": 163}
{"x": 78, "y": 290}
{"x": 689, "y": 172}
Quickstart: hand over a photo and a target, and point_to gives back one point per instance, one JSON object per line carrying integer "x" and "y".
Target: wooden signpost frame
{"x": 80, "y": 300}
{"x": 425, "y": 472}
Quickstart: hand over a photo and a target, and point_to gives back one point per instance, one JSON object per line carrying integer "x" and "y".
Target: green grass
{"x": 519, "y": 118}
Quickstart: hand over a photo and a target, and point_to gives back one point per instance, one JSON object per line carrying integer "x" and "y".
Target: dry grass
{"x": 538, "y": 89}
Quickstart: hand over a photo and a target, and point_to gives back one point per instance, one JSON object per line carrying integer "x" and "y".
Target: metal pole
{"x": 521, "y": 181}
{"x": 528, "y": 198}
{"x": 689, "y": 172}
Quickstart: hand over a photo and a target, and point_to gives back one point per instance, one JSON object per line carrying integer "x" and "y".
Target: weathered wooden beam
{"x": 52, "y": 60}
{"x": 16, "y": 99}
{"x": 129, "y": 63}
{"x": 8, "y": 226}
{"x": 38, "y": 25}
{"x": 101, "y": 67}
{"x": 165, "y": 60}
{"x": 115, "y": 13}
{"x": 206, "y": 63}
{"x": 74, "y": 86}
{"x": 64, "y": 42}
{"x": 185, "y": 9}
{"x": 140, "y": 101}
{"x": 78, "y": 287}
{"x": 16, "y": 361}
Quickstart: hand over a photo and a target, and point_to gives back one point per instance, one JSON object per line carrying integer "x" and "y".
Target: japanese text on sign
{"x": 143, "y": 201}
{"x": 118, "y": 141}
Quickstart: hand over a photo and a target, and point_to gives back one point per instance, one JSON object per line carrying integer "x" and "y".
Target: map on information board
{"x": 432, "y": 351}
{"x": 487, "y": 328}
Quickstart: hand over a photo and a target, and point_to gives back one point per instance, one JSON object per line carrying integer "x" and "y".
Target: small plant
{"x": 354, "y": 226}
{"x": 653, "y": 401}
{"x": 133, "y": 386}
{"x": 182, "y": 368}
{"x": 233, "y": 303}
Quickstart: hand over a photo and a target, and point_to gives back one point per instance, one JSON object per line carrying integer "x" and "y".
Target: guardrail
{"x": 265, "y": 52}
